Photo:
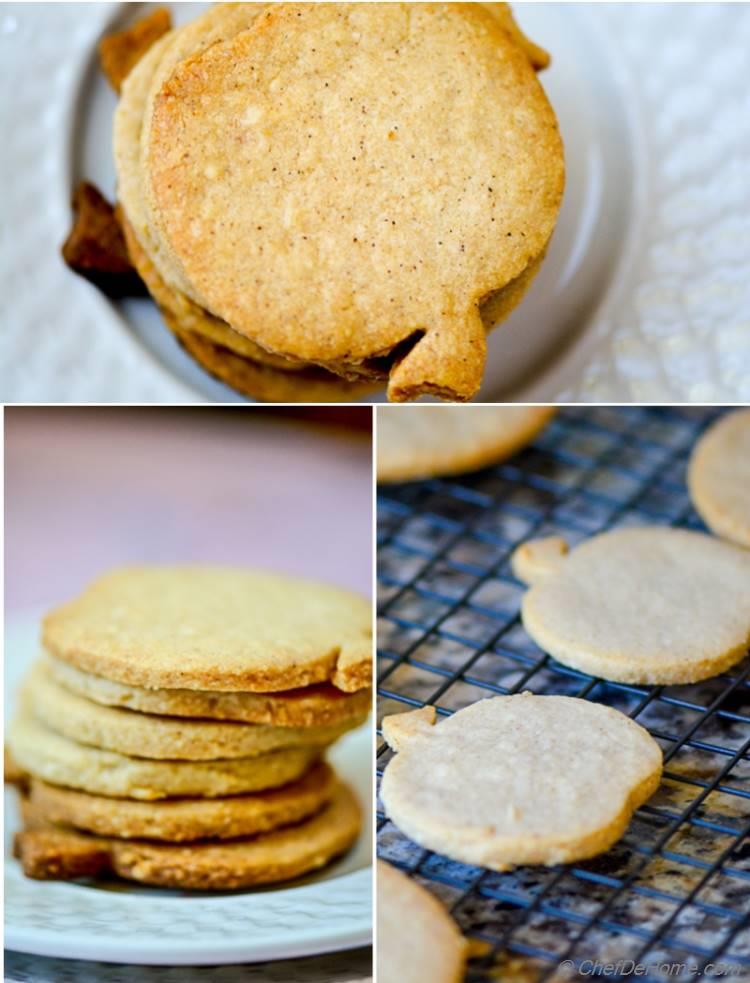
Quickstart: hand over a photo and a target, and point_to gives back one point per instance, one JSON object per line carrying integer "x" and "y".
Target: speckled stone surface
{"x": 345, "y": 967}
{"x": 449, "y": 634}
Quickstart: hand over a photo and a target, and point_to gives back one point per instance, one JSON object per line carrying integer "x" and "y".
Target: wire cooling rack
{"x": 671, "y": 900}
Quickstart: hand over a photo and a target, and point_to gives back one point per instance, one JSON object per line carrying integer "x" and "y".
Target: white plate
{"x": 124, "y": 923}
{"x": 644, "y": 295}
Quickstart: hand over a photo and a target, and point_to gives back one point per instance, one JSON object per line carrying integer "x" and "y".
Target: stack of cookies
{"x": 323, "y": 198}
{"x": 173, "y": 731}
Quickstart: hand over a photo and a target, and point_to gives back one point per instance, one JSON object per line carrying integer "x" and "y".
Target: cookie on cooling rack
{"x": 519, "y": 779}
{"x": 719, "y": 477}
{"x": 417, "y": 939}
{"x": 643, "y": 605}
{"x": 428, "y": 441}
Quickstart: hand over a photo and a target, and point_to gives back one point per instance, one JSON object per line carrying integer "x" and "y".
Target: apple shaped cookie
{"x": 719, "y": 477}
{"x": 645, "y": 606}
{"x": 417, "y": 938}
{"x": 519, "y": 779}
{"x": 426, "y": 441}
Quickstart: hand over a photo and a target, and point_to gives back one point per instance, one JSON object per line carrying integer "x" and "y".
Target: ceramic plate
{"x": 645, "y": 292}
{"x": 119, "y": 922}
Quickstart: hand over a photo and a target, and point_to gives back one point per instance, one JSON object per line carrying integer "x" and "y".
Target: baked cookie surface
{"x": 518, "y": 779}
{"x": 719, "y": 477}
{"x": 214, "y": 628}
{"x": 643, "y": 605}
{"x": 50, "y": 851}
{"x": 319, "y": 705}
{"x": 427, "y": 441}
{"x": 176, "y": 820}
{"x": 417, "y": 939}
{"x": 166, "y": 738}
{"x": 411, "y": 200}
{"x": 62, "y": 761}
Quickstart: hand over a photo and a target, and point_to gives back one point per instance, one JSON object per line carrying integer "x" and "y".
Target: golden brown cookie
{"x": 377, "y": 236}
{"x": 60, "y": 761}
{"x": 643, "y": 605}
{"x": 165, "y": 738}
{"x": 121, "y": 51}
{"x": 214, "y": 628}
{"x": 177, "y": 820}
{"x": 310, "y": 706}
{"x": 425, "y": 441}
{"x": 230, "y": 357}
{"x": 519, "y": 779}
{"x": 719, "y": 477}
{"x": 133, "y": 115}
{"x": 48, "y": 852}
{"x": 263, "y": 382}
{"x": 417, "y": 940}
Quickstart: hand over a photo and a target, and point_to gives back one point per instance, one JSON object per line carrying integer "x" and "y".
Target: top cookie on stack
{"x": 335, "y": 195}
{"x": 216, "y": 629}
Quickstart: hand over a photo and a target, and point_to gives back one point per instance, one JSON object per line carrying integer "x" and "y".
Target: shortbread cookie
{"x": 166, "y": 738}
{"x": 417, "y": 939}
{"x": 719, "y": 477}
{"x": 47, "y": 851}
{"x": 210, "y": 341}
{"x": 398, "y": 220}
{"x": 177, "y": 820}
{"x": 647, "y": 605}
{"x": 219, "y": 22}
{"x": 518, "y": 779}
{"x": 61, "y": 761}
{"x": 214, "y": 628}
{"x": 425, "y": 441}
{"x": 310, "y": 706}
{"x": 230, "y": 357}
{"x": 263, "y": 382}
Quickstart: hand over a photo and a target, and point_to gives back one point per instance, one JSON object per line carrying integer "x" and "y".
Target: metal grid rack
{"x": 673, "y": 895}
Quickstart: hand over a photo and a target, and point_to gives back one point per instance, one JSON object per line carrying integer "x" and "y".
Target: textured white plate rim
{"x": 104, "y": 16}
{"x": 329, "y": 915}
{"x": 187, "y": 952}
{"x": 567, "y": 364}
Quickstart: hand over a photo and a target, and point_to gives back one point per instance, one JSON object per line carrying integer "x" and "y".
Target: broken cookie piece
{"x": 120, "y": 52}
{"x": 95, "y": 247}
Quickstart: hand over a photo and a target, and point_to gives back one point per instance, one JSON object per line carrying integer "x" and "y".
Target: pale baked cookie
{"x": 61, "y": 761}
{"x": 518, "y": 779}
{"x": 425, "y": 441}
{"x": 214, "y": 628}
{"x": 719, "y": 477}
{"x": 647, "y": 605}
{"x": 166, "y": 738}
{"x": 48, "y": 851}
{"x": 310, "y": 706}
{"x": 182, "y": 819}
{"x": 398, "y": 222}
{"x": 417, "y": 939}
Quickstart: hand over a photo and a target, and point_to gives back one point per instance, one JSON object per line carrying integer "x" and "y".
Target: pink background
{"x": 88, "y": 489}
